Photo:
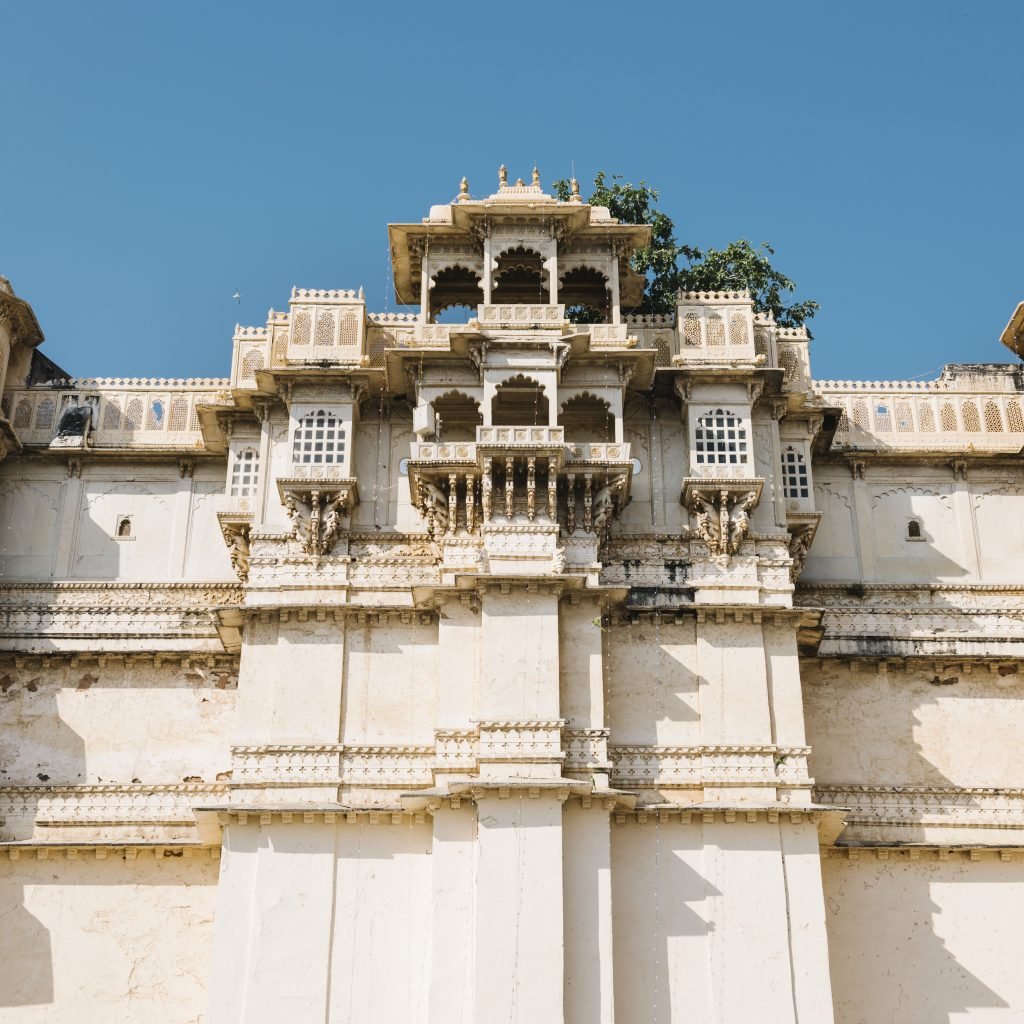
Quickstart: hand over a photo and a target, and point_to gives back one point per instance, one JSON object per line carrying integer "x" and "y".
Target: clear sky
{"x": 158, "y": 157}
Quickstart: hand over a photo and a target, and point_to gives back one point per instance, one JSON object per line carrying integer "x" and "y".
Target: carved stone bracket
{"x": 802, "y": 529}
{"x": 317, "y": 510}
{"x": 722, "y": 510}
{"x": 235, "y": 526}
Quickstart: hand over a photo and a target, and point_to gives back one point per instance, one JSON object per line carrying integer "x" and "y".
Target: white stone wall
{"x": 918, "y": 939}
{"x": 119, "y": 939}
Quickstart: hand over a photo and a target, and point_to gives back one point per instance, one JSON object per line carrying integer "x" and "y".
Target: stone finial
{"x": 502, "y": 176}
{"x": 464, "y": 188}
{"x": 575, "y": 198}
{"x": 536, "y": 177}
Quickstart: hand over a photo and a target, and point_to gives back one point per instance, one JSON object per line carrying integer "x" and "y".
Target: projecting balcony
{"x": 526, "y": 485}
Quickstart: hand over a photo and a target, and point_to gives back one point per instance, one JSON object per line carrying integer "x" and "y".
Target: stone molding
{"x": 107, "y": 804}
{"x": 926, "y": 805}
{"x": 650, "y": 767}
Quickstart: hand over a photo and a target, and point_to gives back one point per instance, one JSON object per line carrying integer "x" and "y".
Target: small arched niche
{"x": 456, "y": 416}
{"x": 586, "y": 295}
{"x": 519, "y": 402}
{"x": 586, "y": 417}
{"x": 520, "y": 277}
{"x": 456, "y": 290}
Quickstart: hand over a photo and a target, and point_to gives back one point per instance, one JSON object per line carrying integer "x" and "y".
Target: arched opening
{"x": 914, "y": 530}
{"x": 455, "y": 295}
{"x": 457, "y": 416}
{"x": 586, "y": 417}
{"x": 520, "y": 277}
{"x": 586, "y": 295}
{"x": 124, "y": 527}
{"x": 519, "y": 402}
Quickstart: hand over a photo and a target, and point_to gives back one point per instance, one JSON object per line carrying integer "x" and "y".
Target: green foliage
{"x": 671, "y": 266}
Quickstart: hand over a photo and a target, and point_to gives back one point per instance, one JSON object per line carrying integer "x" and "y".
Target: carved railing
{"x": 519, "y": 475}
{"x": 521, "y": 315}
{"x": 904, "y": 417}
{"x": 126, "y": 413}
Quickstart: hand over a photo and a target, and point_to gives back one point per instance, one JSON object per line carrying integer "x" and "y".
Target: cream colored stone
{"x": 514, "y": 669}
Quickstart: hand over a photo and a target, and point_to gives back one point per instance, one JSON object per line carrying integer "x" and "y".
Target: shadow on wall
{"x": 904, "y": 936}
{"x": 37, "y": 749}
{"x": 660, "y": 903}
{"x": 26, "y": 951}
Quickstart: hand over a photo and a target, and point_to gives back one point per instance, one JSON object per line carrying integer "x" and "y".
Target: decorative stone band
{"x": 652, "y": 767}
{"x": 297, "y": 766}
{"x": 103, "y": 813}
{"x": 907, "y": 622}
{"x": 463, "y": 751}
{"x": 951, "y": 807}
{"x": 521, "y": 316}
{"x": 520, "y": 741}
{"x": 103, "y": 618}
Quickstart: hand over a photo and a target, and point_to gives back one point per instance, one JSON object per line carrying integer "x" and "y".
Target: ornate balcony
{"x": 524, "y": 492}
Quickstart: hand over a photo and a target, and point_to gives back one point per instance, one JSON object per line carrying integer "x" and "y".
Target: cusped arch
{"x": 519, "y": 401}
{"x": 456, "y": 415}
{"x": 587, "y": 417}
{"x": 453, "y": 287}
{"x": 585, "y": 291}
{"x": 520, "y": 277}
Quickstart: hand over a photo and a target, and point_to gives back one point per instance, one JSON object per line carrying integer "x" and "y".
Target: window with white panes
{"x": 245, "y": 473}
{"x": 319, "y": 438}
{"x": 794, "y": 474}
{"x": 720, "y": 438}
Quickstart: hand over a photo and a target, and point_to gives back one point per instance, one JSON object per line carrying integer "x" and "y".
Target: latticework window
{"x": 720, "y": 439}
{"x": 44, "y": 414}
{"x": 22, "y": 414}
{"x": 883, "y": 418}
{"x": 860, "y": 414}
{"x": 245, "y": 473}
{"x": 1014, "y": 417}
{"x": 716, "y": 330}
{"x": 993, "y": 421}
{"x": 178, "y": 418}
{"x": 947, "y": 416}
{"x": 691, "y": 330}
{"x": 738, "y": 329}
{"x": 904, "y": 417}
{"x": 926, "y": 418}
{"x": 111, "y": 414}
{"x": 789, "y": 363}
{"x": 319, "y": 438}
{"x": 761, "y": 341}
{"x": 324, "y": 334}
{"x": 794, "y": 474}
{"x": 251, "y": 362}
{"x": 155, "y": 417}
{"x": 972, "y": 422}
{"x": 349, "y": 329}
{"x": 301, "y": 327}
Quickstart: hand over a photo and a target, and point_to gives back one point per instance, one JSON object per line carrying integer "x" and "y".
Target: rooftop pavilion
{"x": 519, "y": 245}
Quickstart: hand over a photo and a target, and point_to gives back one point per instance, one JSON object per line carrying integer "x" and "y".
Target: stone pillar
{"x": 453, "y": 924}
{"x": 613, "y": 284}
{"x": 425, "y": 290}
{"x": 274, "y": 924}
{"x": 551, "y": 263}
{"x": 519, "y": 928}
{"x": 587, "y": 899}
{"x": 488, "y": 269}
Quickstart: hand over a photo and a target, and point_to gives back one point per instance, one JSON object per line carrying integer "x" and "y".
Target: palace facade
{"x": 511, "y": 669}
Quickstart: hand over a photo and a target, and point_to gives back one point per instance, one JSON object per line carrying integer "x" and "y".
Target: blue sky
{"x": 158, "y": 157}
